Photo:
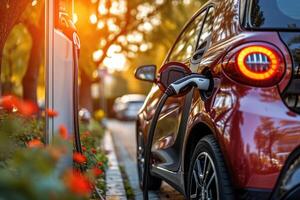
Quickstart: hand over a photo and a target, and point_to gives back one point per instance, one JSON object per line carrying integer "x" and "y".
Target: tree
{"x": 10, "y": 11}
{"x": 121, "y": 27}
{"x": 36, "y": 31}
{"x": 23, "y": 52}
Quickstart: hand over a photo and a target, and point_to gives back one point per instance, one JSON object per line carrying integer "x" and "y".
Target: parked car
{"x": 233, "y": 141}
{"x": 127, "y": 106}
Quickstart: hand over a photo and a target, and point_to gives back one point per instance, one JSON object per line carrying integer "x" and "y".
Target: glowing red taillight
{"x": 257, "y": 65}
{"x": 257, "y": 62}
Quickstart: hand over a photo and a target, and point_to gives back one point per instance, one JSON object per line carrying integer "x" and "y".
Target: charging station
{"x": 62, "y": 46}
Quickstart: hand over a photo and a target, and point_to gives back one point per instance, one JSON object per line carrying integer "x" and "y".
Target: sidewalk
{"x": 115, "y": 187}
{"x": 123, "y": 135}
{"x": 131, "y": 171}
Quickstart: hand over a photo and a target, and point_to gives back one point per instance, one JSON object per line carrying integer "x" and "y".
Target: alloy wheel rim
{"x": 204, "y": 181}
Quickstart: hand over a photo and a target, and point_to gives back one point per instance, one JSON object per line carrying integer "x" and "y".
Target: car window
{"x": 275, "y": 14}
{"x": 187, "y": 41}
{"x": 204, "y": 39}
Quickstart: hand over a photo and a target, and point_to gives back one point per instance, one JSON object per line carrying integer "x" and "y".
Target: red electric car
{"x": 235, "y": 140}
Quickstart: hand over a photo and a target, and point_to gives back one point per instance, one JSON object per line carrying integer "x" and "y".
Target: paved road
{"x": 125, "y": 142}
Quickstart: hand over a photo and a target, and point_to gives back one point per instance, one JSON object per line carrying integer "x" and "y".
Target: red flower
{"x": 9, "y": 102}
{"x": 63, "y": 132}
{"x": 97, "y": 171}
{"x": 35, "y": 143}
{"x": 79, "y": 158}
{"x": 78, "y": 183}
{"x": 99, "y": 164}
{"x": 51, "y": 113}
{"x": 26, "y": 108}
{"x": 83, "y": 148}
{"x": 86, "y": 133}
{"x": 94, "y": 151}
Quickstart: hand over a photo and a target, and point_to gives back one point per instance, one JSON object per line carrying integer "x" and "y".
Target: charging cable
{"x": 178, "y": 87}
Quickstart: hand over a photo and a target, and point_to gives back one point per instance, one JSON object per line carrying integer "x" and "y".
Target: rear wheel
{"x": 208, "y": 178}
{"x": 154, "y": 182}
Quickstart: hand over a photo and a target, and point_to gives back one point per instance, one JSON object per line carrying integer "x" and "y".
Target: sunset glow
{"x": 117, "y": 62}
{"x": 93, "y": 19}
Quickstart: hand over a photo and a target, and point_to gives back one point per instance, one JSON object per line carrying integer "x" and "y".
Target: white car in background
{"x": 127, "y": 106}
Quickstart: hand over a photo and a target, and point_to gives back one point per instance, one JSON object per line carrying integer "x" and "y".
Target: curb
{"x": 131, "y": 170}
{"x": 114, "y": 182}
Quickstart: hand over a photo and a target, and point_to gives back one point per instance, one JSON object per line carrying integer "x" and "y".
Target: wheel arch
{"x": 198, "y": 131}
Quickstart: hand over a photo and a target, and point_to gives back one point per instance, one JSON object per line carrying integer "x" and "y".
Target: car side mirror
{"x": 146, "y": 73}
{"x": 171, "y": 72}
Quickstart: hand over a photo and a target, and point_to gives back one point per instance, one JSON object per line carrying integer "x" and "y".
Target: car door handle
{"x": 197, "y": 56}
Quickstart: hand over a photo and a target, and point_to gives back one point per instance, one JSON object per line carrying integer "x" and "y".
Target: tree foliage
{"x": 141, "y": 31}
{"x": 22, "y": 53}
{"x": 10, "y": 12}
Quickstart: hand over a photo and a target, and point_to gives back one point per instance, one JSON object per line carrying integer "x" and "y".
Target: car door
{"x": 166, "y": 148}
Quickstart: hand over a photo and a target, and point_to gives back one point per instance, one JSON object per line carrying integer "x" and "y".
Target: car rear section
{"x": 256, "y": 107}
{"x": 253, "y": 112}
{"x": 284, "y": 18}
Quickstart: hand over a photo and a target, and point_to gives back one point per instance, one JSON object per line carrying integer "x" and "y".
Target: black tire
{"x": 154, "y": 182}
{"x": 215, "y": 182}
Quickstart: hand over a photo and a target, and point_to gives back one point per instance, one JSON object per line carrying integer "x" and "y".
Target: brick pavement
{"x": 115, "y": 187}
